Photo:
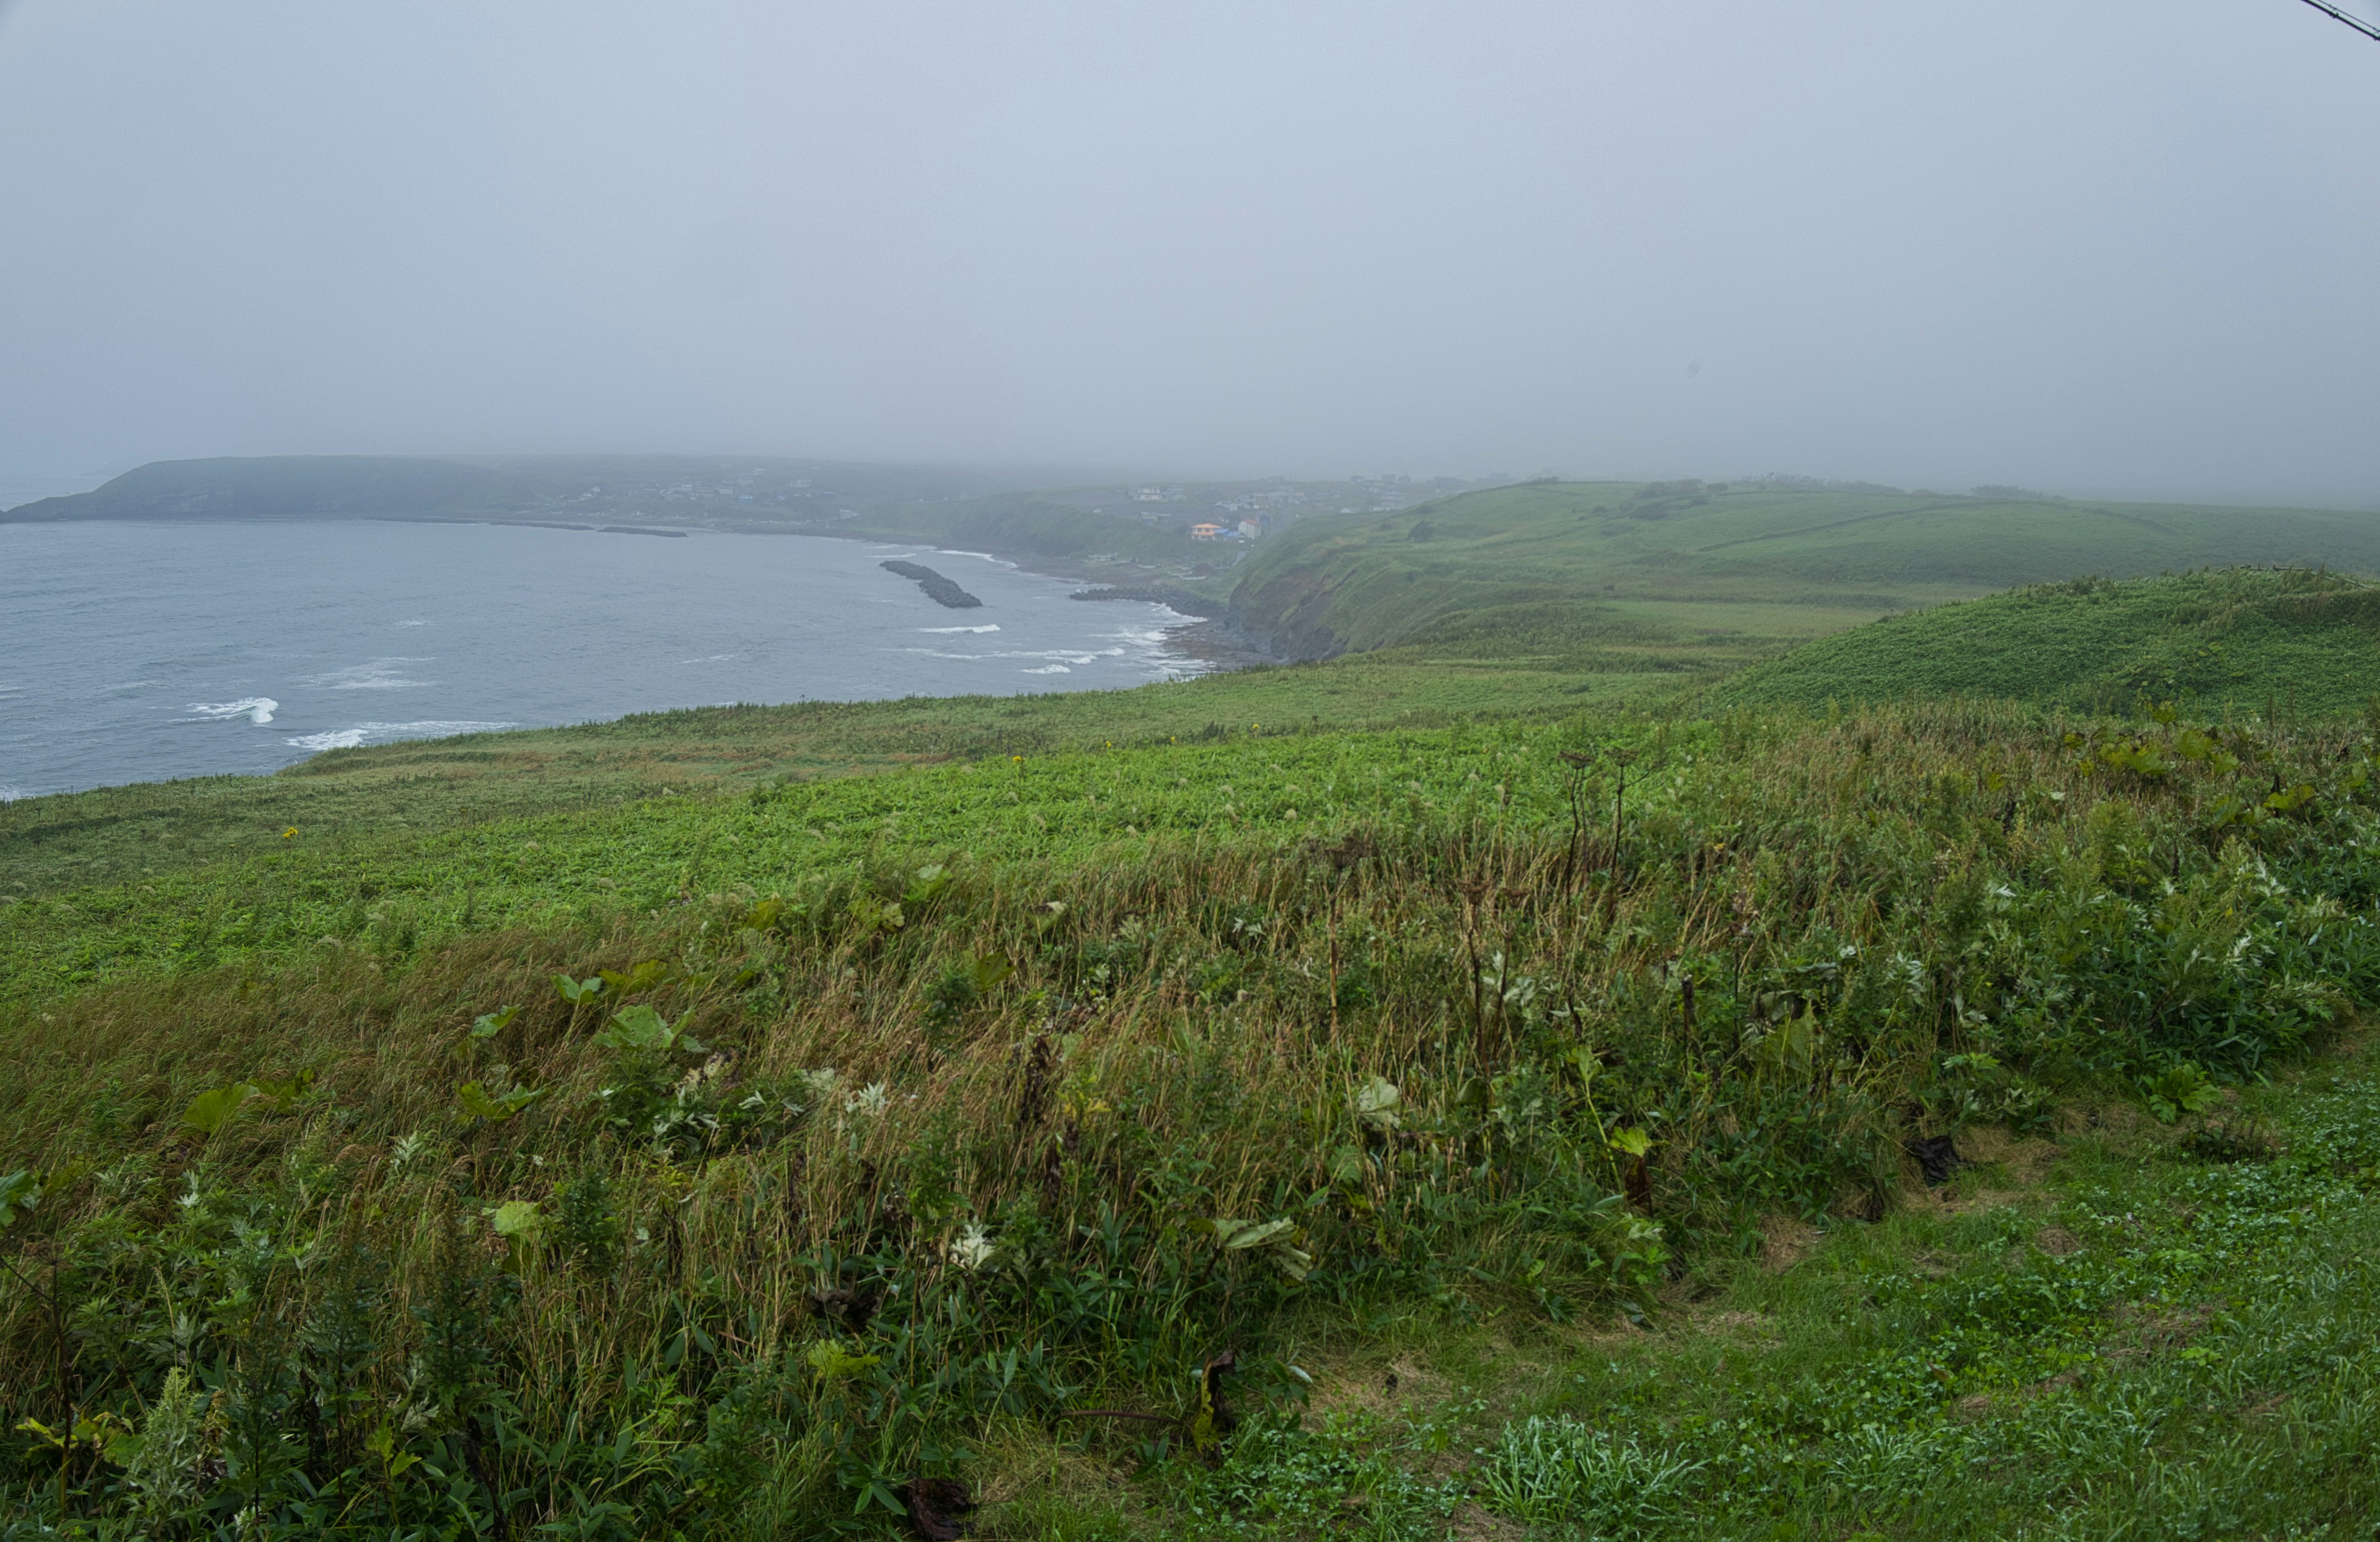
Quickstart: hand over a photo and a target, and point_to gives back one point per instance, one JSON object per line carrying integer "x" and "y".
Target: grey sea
{"x": 134, "y": 652}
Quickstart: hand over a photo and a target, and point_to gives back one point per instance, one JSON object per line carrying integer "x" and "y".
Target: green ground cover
{"x": 1643, "y": 565}
{"x": 2233, "y": 642}
{"x": 142, "y": 834}
{"x": 921, "y": 1115}
{"x": 1478, "y": 1087}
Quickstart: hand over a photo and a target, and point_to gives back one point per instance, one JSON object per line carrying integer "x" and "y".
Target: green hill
{"x": 2227, "y": 639}
{"x": 1459, "y": 1088}
{"x": 1674, "y": 562}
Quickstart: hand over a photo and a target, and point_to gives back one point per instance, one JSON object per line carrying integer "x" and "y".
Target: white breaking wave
{"x": 384, "y": 732}
{"x": 380, "y": 674}
{"x": 413, "y": 623}
{"x": 1048, "y": 669}
{"x": 10, "y": 795}
{"x": 258, "y": 709}
{"x": 977, "y": 630}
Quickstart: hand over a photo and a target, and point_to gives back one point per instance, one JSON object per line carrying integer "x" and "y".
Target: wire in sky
{"x": 2327, "y": 9}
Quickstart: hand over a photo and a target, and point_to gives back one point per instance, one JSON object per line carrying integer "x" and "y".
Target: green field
{"x": 2227, "y": 642}
{"x": 1581, "y": 566}
{"x": 1492, "y": 1083}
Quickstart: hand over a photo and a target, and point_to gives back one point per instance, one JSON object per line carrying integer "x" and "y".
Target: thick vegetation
{"x": 774, "y": 1161}
{"x": 2234, "y": 641}
{"x": 1692, "y": 573}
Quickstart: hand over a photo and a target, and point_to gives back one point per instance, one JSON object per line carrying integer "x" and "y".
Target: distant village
{"x": 1242, "y": 512}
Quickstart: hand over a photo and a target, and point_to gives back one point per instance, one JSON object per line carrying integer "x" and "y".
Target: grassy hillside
{"x": 921, "y": 1115}
{"x": 1480, "y": 1086}
{"x": 122, "y": 837}
{"x": 1649, "y": 567}
{"x": 2231, "y": 641}
{"x": 1032, "y": 529}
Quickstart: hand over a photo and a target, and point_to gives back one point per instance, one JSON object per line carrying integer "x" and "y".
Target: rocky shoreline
{"x": 938, "y": 590}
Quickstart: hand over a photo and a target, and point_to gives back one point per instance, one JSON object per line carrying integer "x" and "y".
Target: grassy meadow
{"x": 2242, "y": 641}
{"x": 1527, "y": 1079}
{"x": 1669, "y": 571}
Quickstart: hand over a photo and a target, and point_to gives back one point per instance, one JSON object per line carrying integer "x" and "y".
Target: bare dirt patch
{"x": 1786, "y": 1241}
{"x": 1475, "y": 1525}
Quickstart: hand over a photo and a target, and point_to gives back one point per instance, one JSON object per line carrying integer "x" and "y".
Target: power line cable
{"x": 2327, "y": 9}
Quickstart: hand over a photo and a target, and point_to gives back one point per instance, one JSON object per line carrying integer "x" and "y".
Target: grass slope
{"x": 124, "y": 837}
{"x": 1658, "y": 570}
{"x": 922, "y": 1113}
{"x": 2235, "y": 640}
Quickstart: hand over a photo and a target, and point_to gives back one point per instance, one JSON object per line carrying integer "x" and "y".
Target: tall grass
{"x": 817, "y": 1186}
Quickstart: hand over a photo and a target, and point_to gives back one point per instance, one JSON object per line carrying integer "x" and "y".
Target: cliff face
{"x": 1282, "y": 616}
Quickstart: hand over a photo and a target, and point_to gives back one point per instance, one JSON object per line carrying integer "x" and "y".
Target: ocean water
{"x": 132, "y": 652}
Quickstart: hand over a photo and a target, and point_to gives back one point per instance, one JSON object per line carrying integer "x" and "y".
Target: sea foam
{"x": 380, "y": 674}
{"x": 384, "y": 732}
{"x": 977, "y": 630}
{"x": 258, "y": 709}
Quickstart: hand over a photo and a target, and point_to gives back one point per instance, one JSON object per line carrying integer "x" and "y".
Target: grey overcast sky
{"x": 2087, "y": 245}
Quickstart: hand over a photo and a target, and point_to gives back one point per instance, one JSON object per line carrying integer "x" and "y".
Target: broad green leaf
{"x": 518, "y": 1219}
{"x": 20, "y": 1190}
{"x": 1633, "y": 1143}
{"x": 281, "y": 1092}
{"x": 209, "y": 1111}
{"x": 988, "y": 970}
{"x": 1252, "y": 1234}
{"x": 479, "y": 1103}
{"x": 931, "y": 881}
{"x": 644, "y": 976}
{"x": 494, "y": 1023}
{"x": 637, "y": 1027}
{"x": 833, "y": 1363}
{"x": 578, "y": 992}
{"x": 1376, "y": 1104}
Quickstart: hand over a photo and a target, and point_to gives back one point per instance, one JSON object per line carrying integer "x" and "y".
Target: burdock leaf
{"x": 1376, "y": 1104}
{"x": 1252, "y": 1234}
{"x": 519, "y": 1219}
{"x": 477, "y": 1100}
{"x": 578, "y": 992}
{"x": 494, "y": 1023}
{"x": 644, "y": 976}
{"x": 989, "y": 970}
{"x": 288, "y": 1087}
{"x": 209, "y": 1111}
{"x": 19, "y": 1191}
{"x": 637, "y": 1028}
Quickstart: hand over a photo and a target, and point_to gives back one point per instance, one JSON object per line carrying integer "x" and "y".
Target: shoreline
{"x": 1210, "y": 642}
{"x": 1173, "y": 645}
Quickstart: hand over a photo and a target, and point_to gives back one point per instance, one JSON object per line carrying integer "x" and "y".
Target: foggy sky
{"x": 2130, "y": 246}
